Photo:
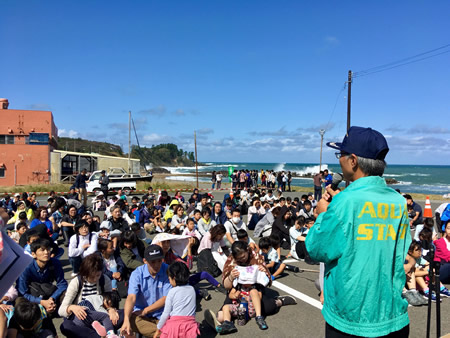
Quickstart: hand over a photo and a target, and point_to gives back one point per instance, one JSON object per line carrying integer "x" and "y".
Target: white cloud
{"x": 64, "y": 133}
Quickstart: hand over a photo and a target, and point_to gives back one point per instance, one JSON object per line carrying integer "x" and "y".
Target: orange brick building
{"x": 26, "y": 139}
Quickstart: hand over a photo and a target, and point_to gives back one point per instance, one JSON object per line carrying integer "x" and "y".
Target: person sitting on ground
{"x": 242, "y": 236}
{"x": 264, "y": 227}
{"x": 281, "y": 227}
{"x": 217, "y": 214}
{"x": 205, "y": 223}
{"x": 414, "y": 275}
{"x": 30, "y": 320}
{"x": 131, "y": 250}
{"x": 148, "y": 288}
{"x": 233, "y": 225}
{"x": 442, "y": 254}
{"x": 247, "y": 257}
{"x": 298, "y": 236}
{"x": 427, "y": 223}
{"x": 118, "y": 223}
{"x": 90, "y": 282}
{"x": 81, "y": 245}
{"x": 68, "y": 223}
{"x": 20, "y": 230}
{"x": 248, "y": 291}
{"x": 417, "y": 212}
{"x": 179, "y": 219}
{"x": 213, "y": 245}
{"x": 41, "y": 217}
{"x": 307, "y": 211}
{"x": 114, "y": 267}
{"x": 190, "y": 230}
{"x": 178, "y": 318}
{"x": 255, "y": 213}
{"x": 36, "y": 283}
{"x": 171, "y": 211}
{"x": 22, "y": 206}
{"x": 269, "y": 246}
{"x": 145, "y": 216}
{"x": 105, "y": 230}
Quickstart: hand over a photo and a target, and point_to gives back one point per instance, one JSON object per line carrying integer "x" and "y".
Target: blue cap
{"x": 364, "y": 142}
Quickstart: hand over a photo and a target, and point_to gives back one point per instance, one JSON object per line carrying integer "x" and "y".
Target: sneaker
{"x": 273, "y": 277}
{"x": 204, "y": 294}
{"x": 419, "y": 300}
{"x": 221, "y": 289}
{"x": 287, "y": 300}
{"x": 211, "y": 319}
{"x": 99, "y": 328}
{"x": 112, "y": 335}
{"x": 227, "y": 327}
{"x": 433, "y": 296}
{"x": 445, "y": 292}
{"x": 261, "y": 323}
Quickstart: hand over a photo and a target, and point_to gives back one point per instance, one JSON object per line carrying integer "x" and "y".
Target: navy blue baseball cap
{"x": 364, "y": 142}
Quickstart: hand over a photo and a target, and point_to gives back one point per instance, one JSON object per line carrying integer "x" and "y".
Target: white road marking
{"x": 291, "y": 260}
{"x": 298, "y": 294}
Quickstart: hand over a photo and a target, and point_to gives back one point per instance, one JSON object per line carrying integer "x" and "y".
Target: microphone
{"x": 337, "y": 178}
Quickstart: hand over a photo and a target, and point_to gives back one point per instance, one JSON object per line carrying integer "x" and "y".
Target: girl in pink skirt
{"x": 178, "y": 318}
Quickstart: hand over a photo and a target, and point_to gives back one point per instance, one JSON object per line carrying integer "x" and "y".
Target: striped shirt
{"x": 89, "y": 289}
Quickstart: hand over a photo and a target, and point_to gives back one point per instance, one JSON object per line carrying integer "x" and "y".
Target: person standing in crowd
{"x": 370, "y": 303}
{"x": 328, "y": 178}
{"x": 213, "y": 180}
{"x": 219, "y": 177}
{"x": 104, "y": 182}
{"x": 318, "y": 185}
{"x": 80, "y": 184}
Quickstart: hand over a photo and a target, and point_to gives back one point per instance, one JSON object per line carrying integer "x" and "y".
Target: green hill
{"x": 159, "y": 155}
{"x": 163, "y": 155}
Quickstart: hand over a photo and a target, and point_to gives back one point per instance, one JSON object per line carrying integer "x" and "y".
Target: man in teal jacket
{"x": 362, "y": 235}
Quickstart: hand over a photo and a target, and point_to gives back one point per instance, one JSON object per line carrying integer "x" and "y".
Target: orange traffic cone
{"x": 231, "y": 193}
{"x": 427, "y": 213}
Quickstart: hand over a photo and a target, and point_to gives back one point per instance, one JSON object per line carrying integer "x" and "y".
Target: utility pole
{"x": 196, "y": 163}
{"x": 129, "y": 142}
{"x": 321, "y": 132}
{"x": 349, "y": 99}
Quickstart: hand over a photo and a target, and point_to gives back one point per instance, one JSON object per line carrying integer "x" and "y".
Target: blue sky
{"x": 256, "y": 79}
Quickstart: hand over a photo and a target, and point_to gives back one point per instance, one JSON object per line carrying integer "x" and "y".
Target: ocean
{"x": 412, "y": 178}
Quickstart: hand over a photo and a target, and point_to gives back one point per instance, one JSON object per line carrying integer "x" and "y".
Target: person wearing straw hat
{"x": 362, "y": 235}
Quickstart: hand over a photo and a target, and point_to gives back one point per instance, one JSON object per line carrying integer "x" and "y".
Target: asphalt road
{"x": 305, "y": 318}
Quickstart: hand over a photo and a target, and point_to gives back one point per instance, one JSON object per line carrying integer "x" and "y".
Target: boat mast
{"x": 129, "y": 142}
{"x": 196, "y": 162}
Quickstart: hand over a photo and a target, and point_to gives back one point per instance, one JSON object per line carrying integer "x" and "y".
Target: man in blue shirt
{"x": 328, "y": 178}
{"x": 148, "y": 287}
{"x": 36, "y": 282}
{"x": 417, "y": 219}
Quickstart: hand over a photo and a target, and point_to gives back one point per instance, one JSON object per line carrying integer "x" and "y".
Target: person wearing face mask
{"x": 233, "y": 225}
{"x": 255, "y": 213}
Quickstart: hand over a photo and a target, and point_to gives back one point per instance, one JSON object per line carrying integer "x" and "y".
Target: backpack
{"x": 445, "y": 216}
{"x": 206, "y": 262}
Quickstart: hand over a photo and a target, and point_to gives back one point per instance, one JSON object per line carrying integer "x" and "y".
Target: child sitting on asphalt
{"x": 269, "y": 246}
{"x": 30, "y": 320}
{"x": 247, "y": 289}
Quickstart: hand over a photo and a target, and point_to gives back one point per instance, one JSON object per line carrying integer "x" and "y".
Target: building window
{"x": 2, "y": 172}
{"x": 38, "y": 138}
{"x": 6, "y": 139}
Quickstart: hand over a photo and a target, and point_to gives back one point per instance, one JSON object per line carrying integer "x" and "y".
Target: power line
{"x": 335, "y": 104}
{"x": 401, "y": 62}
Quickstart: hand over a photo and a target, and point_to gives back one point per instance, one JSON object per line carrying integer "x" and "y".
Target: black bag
{"x": 44, "y": 290}
{"x": 206, "y": 262}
